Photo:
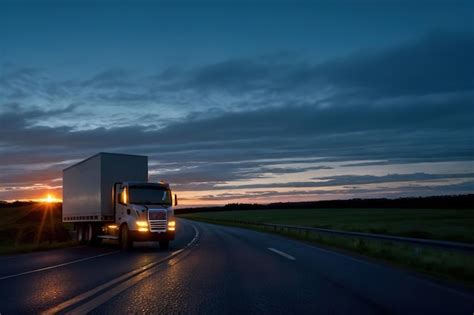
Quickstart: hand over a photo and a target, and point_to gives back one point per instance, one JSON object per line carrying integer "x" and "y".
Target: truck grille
{"x": 157, "y": 220}
{"x": 157, "y": 215}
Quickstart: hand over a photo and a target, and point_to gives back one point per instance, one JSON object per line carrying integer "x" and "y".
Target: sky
{"x": 241, "y": 101}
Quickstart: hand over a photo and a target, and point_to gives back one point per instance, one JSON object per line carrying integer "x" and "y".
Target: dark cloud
{"x": 369, "y": 179}
{"x": 344, "y": 180}
{"x": 366, "y": 133}
{"x": 426, "y": 132}
{"x": 18, "y": 83}
{"x": 205, "y": 175}
{"x": 371, "y": 163}
{"x": 408, "y": 104}
{"x": 111, "y": 78}
{"x": 289, "y": 170}
{"x": 438, "y": 62}
{"x": 17, "y": 119}
{"x": 346, "y": 193}
{"x": 19, "y": 176}
{"x": 236, "y": 76}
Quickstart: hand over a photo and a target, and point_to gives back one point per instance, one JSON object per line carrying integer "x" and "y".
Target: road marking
{"x": 414, "y": 274}
{"x": 124, "y": 282}
{"x": 107, "y": 295}
{"x": 281, "y": 253}
{"x": 23, "y": 255}
{"x": 57, "y": 266}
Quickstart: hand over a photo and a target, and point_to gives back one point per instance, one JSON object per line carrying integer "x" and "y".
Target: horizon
{"x": 241, "y": 102}
{"x": 56, "y": 201}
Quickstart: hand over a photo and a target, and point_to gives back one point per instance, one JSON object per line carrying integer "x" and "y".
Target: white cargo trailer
{"x": 108, "y": 196}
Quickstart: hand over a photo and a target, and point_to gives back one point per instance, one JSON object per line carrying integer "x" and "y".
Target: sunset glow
{"x": 50, "y": 199}
{"x": 298, "y": 114}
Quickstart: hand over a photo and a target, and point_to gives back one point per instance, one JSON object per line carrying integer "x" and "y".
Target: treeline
{"x": 5, "y": 204}
{"x": 433, "y": 202}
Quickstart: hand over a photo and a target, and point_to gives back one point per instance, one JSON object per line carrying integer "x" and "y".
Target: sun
{"x": 48, "y": 199}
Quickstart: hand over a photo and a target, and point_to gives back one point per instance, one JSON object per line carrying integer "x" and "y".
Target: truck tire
{"x": 164, "y": 244}
{"x": 87, "y": 233}
{"x": 95, "y": 229}
{"x": 125, "y": 239}
{"x": 80, "y": 234}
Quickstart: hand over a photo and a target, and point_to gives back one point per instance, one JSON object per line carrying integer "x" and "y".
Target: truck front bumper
{"x": 152, "y": 236}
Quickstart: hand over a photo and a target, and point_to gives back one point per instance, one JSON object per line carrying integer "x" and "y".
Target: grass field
{"x": 32, "y": 227}
{"x": 443, "y": 224}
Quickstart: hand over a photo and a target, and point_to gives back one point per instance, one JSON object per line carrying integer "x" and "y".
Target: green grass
{"x": 454, "y": 225}
{"x": 32, "y": 227}
{"x": 442, "y": 224}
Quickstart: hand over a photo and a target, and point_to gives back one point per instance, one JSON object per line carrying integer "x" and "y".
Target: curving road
{"x": 213, "y": 269}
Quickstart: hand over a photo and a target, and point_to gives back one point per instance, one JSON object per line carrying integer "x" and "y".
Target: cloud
{"x": 111, "y": 78}
{"x": 439, "y": 62}
{"x": 344, "y": 193}
{"x": 369, "y": 179}
{"x": 19, "y": 82}
{"x": 235, "y": 75}
{"x": 349, "y": 133}
{"x": 288, "y": 170}
{"x": 224, "y": 122}
{"x": 354, "y": 180}
{"x": 215, "y": 148}
{"x": 436, "y": 65}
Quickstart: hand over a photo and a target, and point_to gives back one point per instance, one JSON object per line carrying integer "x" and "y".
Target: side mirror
{"x": 175, "y": 200}
{"x": 121, "y": 197}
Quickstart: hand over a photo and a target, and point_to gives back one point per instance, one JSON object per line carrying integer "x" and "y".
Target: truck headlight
{"x": 142, "y": 223}
{"x": 171, "y": 225}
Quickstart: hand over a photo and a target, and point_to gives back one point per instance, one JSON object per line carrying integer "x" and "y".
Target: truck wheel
{"x": 95, "y": 229}
{"x": 87, "y": 233}
{"x": 164, "y": 244}
{"x": 125, "y": 239}
{"x": 80, "y": 234}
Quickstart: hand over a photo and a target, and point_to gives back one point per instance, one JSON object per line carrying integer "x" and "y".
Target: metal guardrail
{"x": 445, "y": 245}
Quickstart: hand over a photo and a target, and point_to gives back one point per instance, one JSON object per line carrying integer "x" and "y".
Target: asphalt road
{"x": 213, "y": 269}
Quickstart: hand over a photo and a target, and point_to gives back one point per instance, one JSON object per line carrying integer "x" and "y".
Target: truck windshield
{"x": 147, "y": 195}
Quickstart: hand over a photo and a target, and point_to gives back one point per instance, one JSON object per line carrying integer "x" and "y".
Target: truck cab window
{"x": 149, "y": 195}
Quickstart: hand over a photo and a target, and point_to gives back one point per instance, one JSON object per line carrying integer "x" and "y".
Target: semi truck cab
{"x": 145, "y": 210}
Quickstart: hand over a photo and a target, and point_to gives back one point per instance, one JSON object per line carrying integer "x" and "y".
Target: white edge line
{"x": 414, "y": 274}
{"x": 56, "y": 266}
{"x": 279, "y": 252}
{"x": 23, "y": 255}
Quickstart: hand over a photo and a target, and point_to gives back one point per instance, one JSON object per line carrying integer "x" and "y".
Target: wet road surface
{"x": 212, "y": 269}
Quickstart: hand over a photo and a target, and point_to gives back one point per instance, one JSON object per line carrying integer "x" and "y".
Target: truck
{"x": 108, "y": 196}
